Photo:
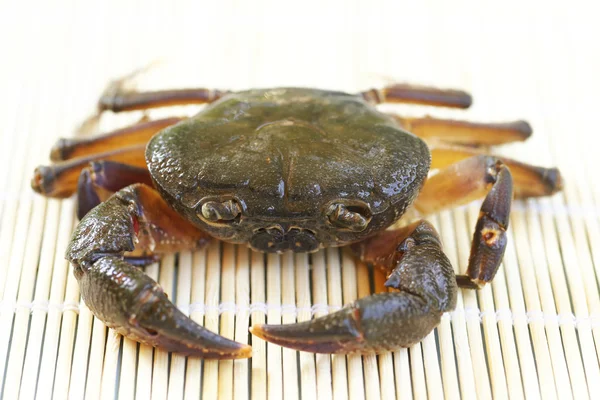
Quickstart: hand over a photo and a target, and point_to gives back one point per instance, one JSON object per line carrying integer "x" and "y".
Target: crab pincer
{"x": 122, "y": 295}
{"x": 425, "y": 288}
{"x": 134, "y": 305}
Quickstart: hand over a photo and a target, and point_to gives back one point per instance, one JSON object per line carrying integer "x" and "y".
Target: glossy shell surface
{"x": 287, "y": 156}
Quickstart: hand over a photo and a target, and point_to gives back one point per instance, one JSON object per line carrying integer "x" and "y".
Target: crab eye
{"x": 223, "y": 212}
{"x": 351, "y": 217}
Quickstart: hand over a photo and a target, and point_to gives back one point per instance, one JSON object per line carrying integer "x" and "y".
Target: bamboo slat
{"x": 533, "y": 333}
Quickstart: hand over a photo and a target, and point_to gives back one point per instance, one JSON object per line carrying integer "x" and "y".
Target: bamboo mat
{"x": 532, "y": 333}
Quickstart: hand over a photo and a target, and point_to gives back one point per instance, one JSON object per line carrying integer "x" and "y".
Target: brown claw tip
{"x": 264, "y": 332}
{"x": 258, "y": 331}
{"x": 244, "y": 351}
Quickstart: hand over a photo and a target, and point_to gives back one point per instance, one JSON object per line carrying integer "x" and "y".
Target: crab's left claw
{"x": 133, "y": 304}
{"x": 387, "y": 321}
{"x": 136, "y": 222}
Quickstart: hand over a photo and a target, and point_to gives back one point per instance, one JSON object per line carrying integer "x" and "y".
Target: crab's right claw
{"x": 426, "y": 288}
{"x": 134, "y": 305}
{"x": 372, "y": 325}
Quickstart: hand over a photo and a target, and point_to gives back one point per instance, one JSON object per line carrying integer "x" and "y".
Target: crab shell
{"x": 318, "y": 150}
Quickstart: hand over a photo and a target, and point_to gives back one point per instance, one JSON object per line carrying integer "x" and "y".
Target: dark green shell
{"x": 286, "y": 154}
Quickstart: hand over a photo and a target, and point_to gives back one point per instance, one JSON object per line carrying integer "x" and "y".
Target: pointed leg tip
{"x": 465, "y": 100}
{"x": 521, "y": 128}
{"x": 37, "y": 181}
{"x": 555, "y": 180}
{"x": 524, "y": 128}
{"x": 43, "y": 182}
{"x": 57, "y": 152}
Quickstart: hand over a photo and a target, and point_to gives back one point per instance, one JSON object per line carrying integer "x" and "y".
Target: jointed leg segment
{"x": 465, "y": 132}
{"x": 117, "y": 98}
{"x": 529, "y": 180}
{"x": 129, "y": 101}
{"x": 60, "y": 179}
{"x": 137, "y": 134}
{"x": 414, "y": 94}
{"x": 102, "y": 179}
{"x": 71, "y": 171}
{"x": 461, "y": 183}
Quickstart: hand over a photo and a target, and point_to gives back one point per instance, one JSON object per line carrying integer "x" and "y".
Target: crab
{"x": 287, "y": 169}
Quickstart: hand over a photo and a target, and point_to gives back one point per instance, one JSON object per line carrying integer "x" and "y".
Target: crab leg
{"x": 137, "y": 134}
{"x": 116, "y": 98}
{"x": 465, "y": 132}
{"x": 137, "y": 221}
{"x": 60, "y": 179}
{"x": 426, "y": 288}
{"x": 529, "y": 180}
{"x": 461, "y": 183}
{"x": 101, "y": 179}
{"x": 414, "y": 94}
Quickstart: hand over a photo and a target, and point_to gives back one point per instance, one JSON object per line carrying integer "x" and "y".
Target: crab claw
{"x": 375, "y": 324}
{"x": 136, "y": 224}
{"x": 134, "y": 305}
{"x": 425, "y": 288}
{"x": 330, "y": 334}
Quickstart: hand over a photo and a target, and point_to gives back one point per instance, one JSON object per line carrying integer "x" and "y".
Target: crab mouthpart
{"x": 277, "y": 240}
